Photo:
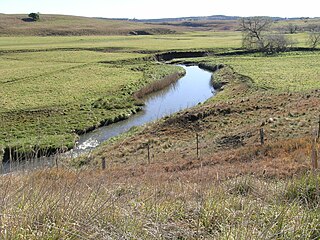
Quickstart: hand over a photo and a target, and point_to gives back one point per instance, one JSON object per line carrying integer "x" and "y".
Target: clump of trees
{"x": 257, "y": 36}
{"x": 34, "y": 16}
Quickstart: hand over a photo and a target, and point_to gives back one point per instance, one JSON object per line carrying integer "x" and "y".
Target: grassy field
{"x": 193, "y": 40}
{"x": 52, "y": 88}
{"x": 48, "y": 96}
{"x": 62, "y": 25}
{"x": 50, "y": 85}
{"x": 287, "y": 72}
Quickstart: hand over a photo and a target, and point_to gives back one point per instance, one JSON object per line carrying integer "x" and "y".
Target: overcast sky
{"x": 164, "y": 8}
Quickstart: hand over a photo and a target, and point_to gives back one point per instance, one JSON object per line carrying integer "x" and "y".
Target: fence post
{"x": 57, "y": 165}
{"x": 103, "y": 163}
{"x": 197, "y": 137}
{"x": 314, "y": 155}
{"x": 318, "y": 137}
{"x": 10, "y": 159}
{"x": 148, "y": 146}
{"x": 261, "y": 136}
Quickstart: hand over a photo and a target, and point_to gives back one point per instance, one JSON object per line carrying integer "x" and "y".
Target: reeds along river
{"x": 194, "y": 88}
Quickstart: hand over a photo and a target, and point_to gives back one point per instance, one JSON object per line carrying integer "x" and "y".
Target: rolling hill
{"x": 62, "y": 25}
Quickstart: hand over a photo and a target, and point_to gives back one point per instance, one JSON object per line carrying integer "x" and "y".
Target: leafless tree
{"x": 292, "y": 28}
{"x": 253, "y": 29}
{"x": 314, "y": 37}
{"x": 274, "y": 43}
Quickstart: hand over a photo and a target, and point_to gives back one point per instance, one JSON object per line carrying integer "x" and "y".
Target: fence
{"x": 199, "y": 149}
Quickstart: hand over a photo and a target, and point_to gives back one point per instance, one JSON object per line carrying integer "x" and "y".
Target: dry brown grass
{"x": 60, "y": 25}
{"x": 158, "y": 85}
{"x": 148, "y": 203}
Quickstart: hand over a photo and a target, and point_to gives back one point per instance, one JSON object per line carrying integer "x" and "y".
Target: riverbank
{"x": 228, "y": 123}
{"x": 201, "y": 173}
{"x": 190, "y": 90}
{"x": 104, "y": 100}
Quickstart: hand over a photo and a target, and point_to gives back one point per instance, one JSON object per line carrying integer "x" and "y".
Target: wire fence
{"x": 147, "y": 150}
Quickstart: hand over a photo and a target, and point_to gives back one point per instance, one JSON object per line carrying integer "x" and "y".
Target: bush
{"x": 34, "y": 16}
{"x": 276, "y": 43}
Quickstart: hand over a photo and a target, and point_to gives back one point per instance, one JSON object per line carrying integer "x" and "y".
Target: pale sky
{"x": 164, "y": 8}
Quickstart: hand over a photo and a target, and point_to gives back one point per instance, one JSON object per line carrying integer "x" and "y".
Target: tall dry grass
{"x": 90, "y": 204}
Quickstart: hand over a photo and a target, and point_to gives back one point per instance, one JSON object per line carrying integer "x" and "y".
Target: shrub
{"x": 34, "y": 16}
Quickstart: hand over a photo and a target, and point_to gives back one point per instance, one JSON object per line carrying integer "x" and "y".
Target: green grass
{"x": 285, "y": 72}
{"x": 197, "y": 40}
{"x": 53, "y": 87}
{"x": 47, "y": 96}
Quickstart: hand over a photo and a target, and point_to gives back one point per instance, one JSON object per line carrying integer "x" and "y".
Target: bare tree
{"x": 253, "y": 29}
{"x": 292, "y": 28}
{"x": 314, "y": 38}
{"x": 274, "y": 43}
{"x": 256, "y": 35}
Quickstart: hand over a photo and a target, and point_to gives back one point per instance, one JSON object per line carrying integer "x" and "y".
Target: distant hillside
{"x": 222, "y": 22}
{"x": 208, "y": 18}
{"x": 51, "y": 25}
{"x": 199, "y": 18}
{"x": 62, "y": 25}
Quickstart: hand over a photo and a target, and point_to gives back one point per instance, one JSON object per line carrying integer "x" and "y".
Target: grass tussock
{"x": 305, "y": 190}
{"x": 65, "y": 204}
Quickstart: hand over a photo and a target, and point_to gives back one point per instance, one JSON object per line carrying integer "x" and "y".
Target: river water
{"x": 194, "y": 88}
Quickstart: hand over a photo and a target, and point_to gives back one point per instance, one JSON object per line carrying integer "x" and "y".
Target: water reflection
{"x": 195, "y": 87}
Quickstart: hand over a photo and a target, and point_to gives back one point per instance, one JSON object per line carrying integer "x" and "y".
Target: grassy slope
{"x": 295, "y": 71}
{"x": 47, "y": 96}
{"x": 177, "y": 195}
{"x": 58, "y": 25}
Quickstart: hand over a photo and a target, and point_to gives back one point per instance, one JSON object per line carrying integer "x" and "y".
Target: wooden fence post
{"x": 197, "y": 137}
{"x": 148, "y": 146}
{"x": 261, "y": 136}
{"x": 318, "y": 137}
{"x": 314, "y": 155}
{"x": 103, "y": 163}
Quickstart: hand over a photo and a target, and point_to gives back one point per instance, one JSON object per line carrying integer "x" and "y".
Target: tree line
{"x": 257, "y": 35}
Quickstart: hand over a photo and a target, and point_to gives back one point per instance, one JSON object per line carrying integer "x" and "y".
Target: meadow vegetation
{"x": 54, "y": 88}
{"x": 48, "y": 97}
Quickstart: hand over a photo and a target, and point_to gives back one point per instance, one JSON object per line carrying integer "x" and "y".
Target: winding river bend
{"x": 194, "y": 88}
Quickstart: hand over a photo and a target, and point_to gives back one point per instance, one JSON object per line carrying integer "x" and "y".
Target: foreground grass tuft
{"x": 65, "y": 204}
{"x": 305, "y": 190}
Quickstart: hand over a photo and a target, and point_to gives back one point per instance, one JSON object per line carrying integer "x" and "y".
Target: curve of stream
{"x": 194, "y": 88}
